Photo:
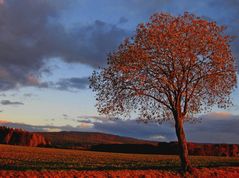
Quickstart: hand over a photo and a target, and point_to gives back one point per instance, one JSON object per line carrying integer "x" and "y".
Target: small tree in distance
{"x": 172, "y": 68}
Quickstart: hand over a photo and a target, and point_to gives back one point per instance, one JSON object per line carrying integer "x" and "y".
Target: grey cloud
{"x": 99, "y": 118}
{"x": 84, "y": 121}
{"x": 123, "y": 20}
{"x": 29, "y": 95}
{"x": 132, "y": 128}
{"x": 72, "y": 83}
{"x": 95, "y": 42}
{"x": 214, "y": 128}
{"x": 230, "y": 9}
{"x": 144, "y": 7}
{"x": 23, "y": 24}
{"x": 31, "y": 33}
{"x": 8, "y": 102}
{"x": 43, "y": 128}
{"x": 221, "y": 11}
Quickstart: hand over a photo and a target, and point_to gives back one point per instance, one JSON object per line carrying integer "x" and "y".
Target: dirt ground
{"x": 229, "y": 172}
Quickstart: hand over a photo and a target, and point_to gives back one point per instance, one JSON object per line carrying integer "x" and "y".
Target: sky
{"x": 49, "y": 48}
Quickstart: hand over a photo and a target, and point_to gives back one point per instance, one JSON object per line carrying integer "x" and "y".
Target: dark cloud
{"x": 8, "y": 102}
{"x": 94, "y": 42}
{"x": 145, "y": 8}
{"x": 84, "y": 121}
{"x": 132, "y": 128}
{"x": 47, "y": 128}
{"x": 229, "y": 18}
{"x": 214, "y": 128}
{"x": 208, "y": 9}
{"x": 218, "y": 127}
{"x": 123, "y": 20}
{"x": 72, "y": 83}
{"x": 23, "y": 24}
{"x": 30, "y": 34}
{"x": 66, "y": 117}
{"x": 28, "y": 95}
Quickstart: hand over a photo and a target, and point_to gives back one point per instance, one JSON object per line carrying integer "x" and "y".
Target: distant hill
{"x": 13, "y": 136}
{"x": 112, "y": 143}
{"x": 109, "y": 143}
{"x": 85, "y": 140}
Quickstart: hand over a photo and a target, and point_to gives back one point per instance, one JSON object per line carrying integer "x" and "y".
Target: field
{"x": 32, "y": 160}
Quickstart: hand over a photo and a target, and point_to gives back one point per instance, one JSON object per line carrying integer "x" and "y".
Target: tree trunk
{"x": 182, "y": 145}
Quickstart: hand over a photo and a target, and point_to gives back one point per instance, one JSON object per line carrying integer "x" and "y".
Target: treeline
{"x": 15, "y": 136}
{"x": 230, "y": 150}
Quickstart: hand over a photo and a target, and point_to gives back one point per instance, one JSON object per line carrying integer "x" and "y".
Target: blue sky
{"x": 48, "y": 49}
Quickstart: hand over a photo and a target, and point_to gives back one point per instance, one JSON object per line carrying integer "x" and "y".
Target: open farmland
{"x": 34, "y": 158}
{"x": 19, "y": 161}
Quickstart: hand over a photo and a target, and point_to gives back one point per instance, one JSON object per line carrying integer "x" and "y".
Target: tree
{"x": 172, "y": 68}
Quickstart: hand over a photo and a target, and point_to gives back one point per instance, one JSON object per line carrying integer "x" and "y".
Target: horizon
{"x": 50, "y": 48}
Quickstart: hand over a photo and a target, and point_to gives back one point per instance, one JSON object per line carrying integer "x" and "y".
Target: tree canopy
{"x": 171, "y": 64}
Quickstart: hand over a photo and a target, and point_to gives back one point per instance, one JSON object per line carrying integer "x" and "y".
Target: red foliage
{"x": 14, "y": 136}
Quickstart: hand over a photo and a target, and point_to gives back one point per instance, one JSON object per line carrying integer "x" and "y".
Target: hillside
{"x": 109, "y": 143}
{"x": 14, "y": 136}
{"x": 85, "y": 140}
{"x": 112, "y": 143}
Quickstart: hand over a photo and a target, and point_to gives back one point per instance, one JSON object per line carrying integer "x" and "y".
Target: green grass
{"x": 32, "y": 158}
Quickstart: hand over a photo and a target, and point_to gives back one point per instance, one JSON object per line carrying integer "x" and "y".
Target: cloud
{"x": 96, "y": 118}
{"x": 91, "y": 44}
{"x": 215, "y": 128}
{"x": 8, "y": 102}
{"x": 43, "y": 128}
{"x": 31, "y": 34}
{"x": 23, "y": 24}
{"x": 229, "y": 17}
{"x": 28, "y": 95}
{"x": 158, "y": 137}
{"x": 3, "y": 95}
{"x": 218, "y": 115}
{"x": 123, "y": 20}
{"x": 229, "y": 13}
{"x": 132, "y": 128}
{"x": 210, "y": 130}
{"x": 73, "y": 83}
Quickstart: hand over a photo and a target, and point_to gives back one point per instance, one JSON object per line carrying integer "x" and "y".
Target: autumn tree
{"x": 172, "y": 68}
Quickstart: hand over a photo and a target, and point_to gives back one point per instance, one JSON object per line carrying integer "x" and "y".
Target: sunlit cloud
{"x": 219, "y": 115}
